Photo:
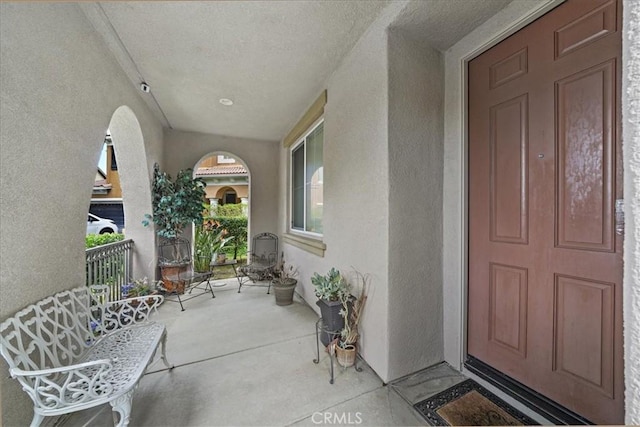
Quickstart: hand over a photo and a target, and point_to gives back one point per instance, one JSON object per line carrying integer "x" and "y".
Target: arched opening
{"x": 134, "y": 180}
{"x": 106, "y": 214}
{"x": 228, "y": 195}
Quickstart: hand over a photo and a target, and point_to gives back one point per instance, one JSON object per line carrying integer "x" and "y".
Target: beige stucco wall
{"x": 415, "y": 121}
{"x": 355, "y": 217}
{"x": 59, "y": 88}
{"x": 382, "y": 189}
{"x": 186, "y": 149}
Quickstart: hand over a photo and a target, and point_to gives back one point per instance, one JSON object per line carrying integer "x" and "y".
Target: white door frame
{"x": 516, "y": 15}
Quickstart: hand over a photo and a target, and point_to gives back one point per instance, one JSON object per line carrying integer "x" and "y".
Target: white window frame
{"x": 292, "y": 148}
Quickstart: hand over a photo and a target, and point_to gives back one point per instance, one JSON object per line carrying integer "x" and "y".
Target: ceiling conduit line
{"x": 124, "y": 51}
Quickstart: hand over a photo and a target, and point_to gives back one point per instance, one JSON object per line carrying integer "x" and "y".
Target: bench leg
{"x": 164, "y": 351}
{"x": 122, "y": 406}
{"x": 37, "y": 419}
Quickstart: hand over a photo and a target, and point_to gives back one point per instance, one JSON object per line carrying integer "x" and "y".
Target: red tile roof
{"x": 221, "y": 170}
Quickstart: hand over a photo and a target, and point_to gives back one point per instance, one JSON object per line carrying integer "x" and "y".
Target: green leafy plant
{"x": 141, "y": 287}
{"x": 93, "y": 240}
{"x": 236, "y": 226}
{"x": 332, "y": 286}
{"x": 231, "y": 210}
{"x": 210, "y": 238}
{"x": 176, "y": 204}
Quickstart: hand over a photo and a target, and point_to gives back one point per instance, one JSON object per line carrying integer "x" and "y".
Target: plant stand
{"x": 321, "y": 328}
{"x": 333, "y": 321}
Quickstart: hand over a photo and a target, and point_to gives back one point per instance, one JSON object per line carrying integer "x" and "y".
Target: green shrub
{"x": 229, "y": 210}
{"x": 93, "y": 240}
{"x": 236, "y": 226}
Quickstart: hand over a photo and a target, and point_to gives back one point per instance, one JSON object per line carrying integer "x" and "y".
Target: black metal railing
{"x": 110, "y": 265}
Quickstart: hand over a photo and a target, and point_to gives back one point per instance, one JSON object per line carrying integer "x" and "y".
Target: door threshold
{"x": 544, "y": 406}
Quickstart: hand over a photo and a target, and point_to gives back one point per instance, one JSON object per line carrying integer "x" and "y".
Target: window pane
{"x": 314, "y": 180}
{"x": 297, "y": 190}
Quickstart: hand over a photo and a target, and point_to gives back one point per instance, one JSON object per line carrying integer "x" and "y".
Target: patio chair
{"x": 262, "y": 262}
{"x": 178, "y": 274}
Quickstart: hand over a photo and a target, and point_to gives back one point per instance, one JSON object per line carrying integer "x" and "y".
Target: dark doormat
{"x": 470, "y": 404}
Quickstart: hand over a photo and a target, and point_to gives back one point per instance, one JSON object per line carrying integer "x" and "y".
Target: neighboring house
{"x": 106, "y": 197}
{"x": 227, "y": 180}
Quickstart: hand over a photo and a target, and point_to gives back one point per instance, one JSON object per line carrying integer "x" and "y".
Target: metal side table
{"x": 320, "y": 328}
{"x": 231, "y": 262}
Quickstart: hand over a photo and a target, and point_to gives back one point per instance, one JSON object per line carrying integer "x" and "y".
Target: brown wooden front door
{"x": 545, "y": 171}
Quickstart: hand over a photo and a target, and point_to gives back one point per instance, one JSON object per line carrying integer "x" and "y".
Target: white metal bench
{"x": 74, "y": 350}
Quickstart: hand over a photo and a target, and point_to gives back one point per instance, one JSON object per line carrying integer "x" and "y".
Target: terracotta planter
{"x": 170, "y": 281}
{"x": 283, "y": 290}
{"x": 346, "y": 356}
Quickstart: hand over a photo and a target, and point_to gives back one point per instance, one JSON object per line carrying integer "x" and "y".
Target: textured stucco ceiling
{"x": 271, "y": 58}
{"x": 441, "y": 23}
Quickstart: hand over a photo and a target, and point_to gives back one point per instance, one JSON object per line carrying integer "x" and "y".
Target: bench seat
{"x": 70, "y": 354}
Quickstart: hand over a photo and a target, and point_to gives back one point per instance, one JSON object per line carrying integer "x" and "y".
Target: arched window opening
{"x": 106, "y": 212}
{"x": 227, "y": 192}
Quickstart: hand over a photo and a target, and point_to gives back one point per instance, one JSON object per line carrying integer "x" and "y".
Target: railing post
{"x": 110, "y": 264}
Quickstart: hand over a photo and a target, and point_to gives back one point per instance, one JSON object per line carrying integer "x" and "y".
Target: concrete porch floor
{"x": 242, "y": 360}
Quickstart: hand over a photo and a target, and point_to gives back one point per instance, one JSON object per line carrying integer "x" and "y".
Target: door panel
{"x": 585, "y": 119}
{"x": 508, "y": 308}
{"x": 584, "y": 332}
{"x": 587, "y": 29}
{"x": 509, "y": 215}
{"x": 545, "y": 264}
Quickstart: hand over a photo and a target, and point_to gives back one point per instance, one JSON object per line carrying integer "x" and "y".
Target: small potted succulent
{"x": 331, "y": 289}
{"x": 284, "y": 282}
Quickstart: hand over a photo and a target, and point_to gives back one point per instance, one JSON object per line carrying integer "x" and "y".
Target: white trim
{"x": 292, "y": 148}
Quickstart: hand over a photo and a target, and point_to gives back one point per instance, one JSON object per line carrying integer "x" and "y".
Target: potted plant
{"x": 346, "y": 345}
{"x": 331, "y": 289}
{"x": 176, "y": 204}
{"x": 137, "y": 288}
{"x": 285, "y": 282}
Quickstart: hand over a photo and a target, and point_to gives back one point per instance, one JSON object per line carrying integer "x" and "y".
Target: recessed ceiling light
{"x": 226, "y": 102}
